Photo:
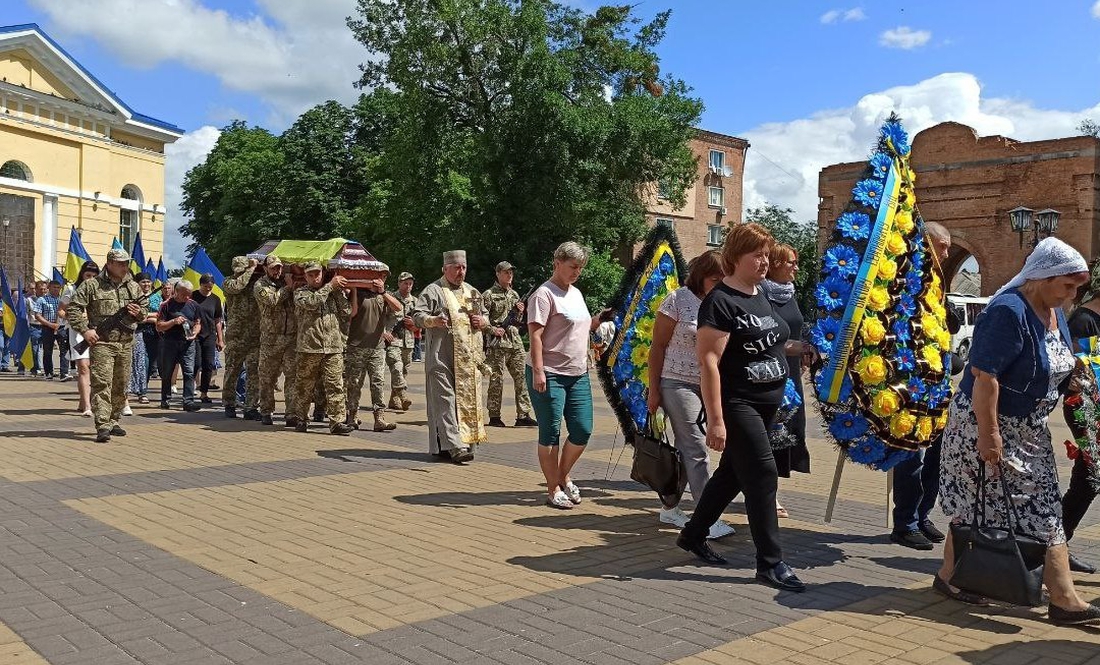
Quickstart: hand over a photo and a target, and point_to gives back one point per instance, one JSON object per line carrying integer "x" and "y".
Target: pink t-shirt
{"x": 566, "y": 327}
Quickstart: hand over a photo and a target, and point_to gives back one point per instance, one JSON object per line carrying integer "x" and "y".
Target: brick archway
{"x": 961, "y": 250}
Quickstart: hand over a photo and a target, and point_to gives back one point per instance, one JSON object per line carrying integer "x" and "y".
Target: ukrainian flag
{"x": 9, "y": 315}
{"x": 58, "y": 277}
{"x": 137, "y": 256}
{"x": 200, "y": 264}
{"x": 150, "y": 270}
{"x": 162, "y": 274}
{"x": 20, "y": 345}
{"x": 76, "y": 257}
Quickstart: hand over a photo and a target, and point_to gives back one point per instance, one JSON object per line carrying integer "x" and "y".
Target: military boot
{"x": 252, "y": 414}
{"x": 403, "y": 395}
{"x": 265, "y": 419}
{"x": 395, "y": 403}
{"x": 380, "y": 424}
{"x": 230, "y": 411}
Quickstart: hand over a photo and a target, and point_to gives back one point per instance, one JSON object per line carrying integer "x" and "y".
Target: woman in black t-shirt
{"x": 742, "y": 348}
{"x": 1083, "y": 323}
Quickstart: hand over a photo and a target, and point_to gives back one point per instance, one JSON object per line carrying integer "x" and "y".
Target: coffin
{"x": 339, "y": 256}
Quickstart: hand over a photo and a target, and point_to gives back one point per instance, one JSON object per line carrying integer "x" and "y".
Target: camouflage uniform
{"x": 322, "y": 334}
{"x": 366, "y": 356}
{"x": 505, "y": 352}
{"x": 399, "y": 356}
{"x": 278, "y": 342}
{"x": 110, "y": 359}
{"x": 361, "y": 363}
{"x": 242, "y": 337}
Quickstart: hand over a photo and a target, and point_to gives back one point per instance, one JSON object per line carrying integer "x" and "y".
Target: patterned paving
{"x": 201, "y": 540}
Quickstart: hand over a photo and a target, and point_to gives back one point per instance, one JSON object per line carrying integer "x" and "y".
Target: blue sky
{"x": 805, "y": 82}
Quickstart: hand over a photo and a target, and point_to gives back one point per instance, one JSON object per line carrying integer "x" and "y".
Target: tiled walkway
{"x": 196, "y": 539}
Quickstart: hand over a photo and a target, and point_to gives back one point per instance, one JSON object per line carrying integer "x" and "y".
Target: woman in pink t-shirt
{"x": 557, "y": 372}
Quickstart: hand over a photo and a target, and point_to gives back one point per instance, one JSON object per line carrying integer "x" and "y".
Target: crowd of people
{"x": 724, "y": 345}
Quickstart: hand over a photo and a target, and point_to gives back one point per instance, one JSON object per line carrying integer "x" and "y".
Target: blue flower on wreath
{"x": 854, "y": 226}
{"x": 893, "y": 132}
{"x": 918, "y": 259}
{"x": 666, "y": 265}
{"x": 824, "y": 334}
{"x": 907, "y": 305}
{"x": 842, "y": 260}
{"x": 906, "y": 360}
{"x": 867, "y": 450}
{"x": 914, "y": 282}
{"x": 902, "y": 331}
{"x": 918, "y": 387}
{"x": 881, "y": 164}
{"x": 848, "y": 426}
{"x": 623, "y": 371}
{"x": 833, "y": 293}
{"x": 940, "y": 392}
{"x": 868, "y": 192}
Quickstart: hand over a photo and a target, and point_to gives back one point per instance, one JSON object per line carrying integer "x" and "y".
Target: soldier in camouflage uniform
{"x": 400, "y": 341}
{"x": 278, "y": 323}
{"x": 242, "y": 339}
{"x": 373, "y": 315}
{"x": 505, "y": 347}
{"x": 94, "y": 301}
{"x": 323, "y": 311}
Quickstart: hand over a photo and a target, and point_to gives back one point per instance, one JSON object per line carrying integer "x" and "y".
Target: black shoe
{"x": 291, "y": 421}
{"x": 914, "y": 539}
{"x": 702, "y": 551}
{"x": 1078, "y": 566}
{"x": 206, "y": 400}
{"x": 496, "y": 422}
{"x": 214, "y": 386}
{"x": 191, "y": 407}
{"x": 931, "y": 532}
{"x": 301, "y": 427}
{"x": 461, "y": 455}
{"x": 252, "y": 414}
{"x": 117, "y": 431}
{"x": 103, "y": 436}
{"x": 318, "y": 417}
{"x": 342, "y": 429}
{"x": 781, "y": 577}
{"x": 1060, "y": 617}
{"x": 5, "y": 370}
{"x": 526, "y": 421}
{"x": 962, "y": 596}
{"x": 230, "y": 412}
{"x": 164, "y": 405}
{"x": 265, "y": 419}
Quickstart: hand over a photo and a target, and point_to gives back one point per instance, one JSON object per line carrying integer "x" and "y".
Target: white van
{"x": 967, "y": 308}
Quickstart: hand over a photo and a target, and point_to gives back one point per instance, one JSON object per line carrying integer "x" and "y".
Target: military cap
{"x": 311, "y": 266}
{"x": 272, "y": 260}
{"x": 118, "y": 255}
{"x": 403, "y": 276}
{"x": 504, "y": 265}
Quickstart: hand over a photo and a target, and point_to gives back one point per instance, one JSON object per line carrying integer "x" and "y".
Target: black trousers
{"x": 206, "y": 350}
{"x": 1078, "y": 497}
{"x": 152, "y": 338}
{"x": 748, "y": 466}
{"x": 49, "y": 338}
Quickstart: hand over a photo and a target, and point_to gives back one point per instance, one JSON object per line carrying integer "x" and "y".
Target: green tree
{"x": 803, "y": 237}
{"x": 1088, "y": 127}
{"x": 516, "y": 125}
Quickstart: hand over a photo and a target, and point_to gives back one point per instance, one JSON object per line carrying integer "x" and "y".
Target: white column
{"x": 48, "y": 236}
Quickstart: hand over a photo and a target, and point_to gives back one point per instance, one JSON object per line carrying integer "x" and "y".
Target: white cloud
{"x": 904, "y": 37}
{"x": 295, "y": 54}
{"x": 1096, "y": 9}
{"x": 180, "y": 156}
{"x": 845, "y": 15}
{"x": 785, "y": 159}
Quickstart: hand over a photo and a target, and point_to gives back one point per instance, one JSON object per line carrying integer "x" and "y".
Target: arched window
{"x": 15, "y": 170}
{"x": 129, "y": 220}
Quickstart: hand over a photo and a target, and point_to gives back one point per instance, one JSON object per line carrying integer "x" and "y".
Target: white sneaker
{"x": 573, "y": 492}
{"x": 560, "y": 500}
{"x": 127, "y": 411}
{"x": 674, "y": 516}
{"x": 720, "y": 530}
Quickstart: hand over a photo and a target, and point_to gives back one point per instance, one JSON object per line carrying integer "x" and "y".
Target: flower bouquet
{"x": 1082, "y": 410}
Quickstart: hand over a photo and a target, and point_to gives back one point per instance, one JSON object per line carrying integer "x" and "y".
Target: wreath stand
{"x": 835, "y": 489}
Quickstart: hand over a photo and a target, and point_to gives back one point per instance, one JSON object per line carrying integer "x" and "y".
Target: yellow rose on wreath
{"x": 886, "y": 403}
{"x": 924, "y": 428}
{"x": 931, "y": 299}
{"x": 671, "y": 283}
{"x": 640, "y": 355}
{"x": 878, "y": 299}
{"x": 887, "y": 269}
{"x": 933, "y": 357}
{"x": 929, "y": 325}
{"x": 872, "y": 369}
{"x": 940, "y": 311}
{"x": 895, "y": 244}
{"x": 941, "y": 421}
{"x": 904, "y": 221}
{"x": 644, "y": 328}
{"x": 944, "y": 340}
{"x": 872, "y": 330}
{"x": 902, "y": 424}
{"x": 937, "y": 283}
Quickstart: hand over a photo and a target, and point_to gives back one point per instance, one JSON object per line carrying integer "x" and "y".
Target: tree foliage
{"x": 1089, "y": 127}
{"x": 803, "y": 237}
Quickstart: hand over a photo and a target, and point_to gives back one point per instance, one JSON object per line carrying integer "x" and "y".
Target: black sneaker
{"x": 206, "y": 400}
{"x": 65, "y": 377}
{"x": 318, "y": 416}
{"x": 265, "y": 419}
{"x": 914, "y": 539}
{"x": 1088, "y": 616}
{"x": 931, "y": 532}
{"x": 526, "y": 421}
{"x": 291, "y": 421}
{"x": 49, "y": 377}
{"x": 301, "y": 427}
{"x": 164, "y": 405}
{"x": 5, "y": 370}
{"x": 230, "y": 412}
{"x": 191, "y": 407}
{"x": 117, "y": 431}
{"x": 103, "y": 436}
{"x": 496, "y": 422}
{"x": 252, "y": 414}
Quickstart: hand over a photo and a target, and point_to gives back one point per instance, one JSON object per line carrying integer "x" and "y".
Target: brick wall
{"x": 969, "y": 183}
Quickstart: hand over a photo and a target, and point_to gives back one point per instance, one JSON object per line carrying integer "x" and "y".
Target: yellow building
{"x": 72, "y": 154}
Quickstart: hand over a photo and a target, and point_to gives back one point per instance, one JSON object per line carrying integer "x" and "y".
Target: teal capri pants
{"x": 568, "y": 397}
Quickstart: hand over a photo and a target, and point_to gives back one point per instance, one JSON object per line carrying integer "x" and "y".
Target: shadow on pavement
{"x": 357, "y": 454}
{"x": 1038, "y": 651}
{"x": 52, "y": 434}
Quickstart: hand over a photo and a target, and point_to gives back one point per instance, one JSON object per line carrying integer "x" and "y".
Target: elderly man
{"x": 400, "y": 343}
{"x": 453, "y": 315}
{"x": 323, "y": 311}
{"x": 505, "y": 348}
{"x": 278, "y": 323}
{"x": 242, "y": 345}
{"x": 179, "y": 323}
{"x": 91, "y": 313}
{"x": 917, "y": 479}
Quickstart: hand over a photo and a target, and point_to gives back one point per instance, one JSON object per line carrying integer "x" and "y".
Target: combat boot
{"x": 342, "y": 429}
{"x": 230, "y": 411}
{"x": 380, "y": 424}
{"x": 291, "y": 421}
{"x": 265, "y": 419}
{"x": 251, "y": 414}
{"x": 395, "y": 402}
{"x": 403, "y": 395}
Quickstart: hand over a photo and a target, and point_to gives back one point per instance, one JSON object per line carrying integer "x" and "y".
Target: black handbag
{"x": 658, "y": 466}
{"x": 998, "y": 563}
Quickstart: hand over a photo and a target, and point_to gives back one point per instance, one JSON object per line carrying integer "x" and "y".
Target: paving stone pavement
{"x": 196, "y": 539}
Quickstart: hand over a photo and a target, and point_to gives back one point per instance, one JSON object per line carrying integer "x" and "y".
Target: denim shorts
{"x": 568, "y": 398}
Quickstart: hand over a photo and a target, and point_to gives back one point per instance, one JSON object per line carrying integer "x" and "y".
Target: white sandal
{"x": 560, "y": 500}
{"x": 573, "y": 492}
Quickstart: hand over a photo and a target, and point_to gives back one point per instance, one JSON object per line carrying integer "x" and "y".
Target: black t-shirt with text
{"x": 210, "y": 309}
{"x": 753, "y": 367}
{"x": 173, "y": 308}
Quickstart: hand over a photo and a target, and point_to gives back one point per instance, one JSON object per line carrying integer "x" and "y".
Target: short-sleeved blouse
{"x": 681, "y": 360}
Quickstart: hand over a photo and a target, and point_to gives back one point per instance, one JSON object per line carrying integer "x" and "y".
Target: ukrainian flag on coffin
{"x": 658, "y": 270}
{"x": 881, "y": 329}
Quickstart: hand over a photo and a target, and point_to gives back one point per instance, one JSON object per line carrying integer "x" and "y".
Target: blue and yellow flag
{"x": 58, "y": 277}
{"x": 137, "y": 256}
{"x": 162, "y": 274}
{"x": 8, "y": 315}
{"x": 75, "y": 258}
{"x": 151, "y": 270}
{"x": 201, "y": 264}
{"x": 20, "y": 345}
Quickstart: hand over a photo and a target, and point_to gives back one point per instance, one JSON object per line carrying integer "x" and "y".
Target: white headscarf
{"x": 1051, "y": 258}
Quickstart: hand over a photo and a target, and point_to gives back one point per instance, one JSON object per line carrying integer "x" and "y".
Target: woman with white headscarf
{"x": 1020, "y": 361}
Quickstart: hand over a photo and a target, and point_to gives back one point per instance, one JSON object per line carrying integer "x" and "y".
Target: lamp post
{"x": 1043, "y": 223}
